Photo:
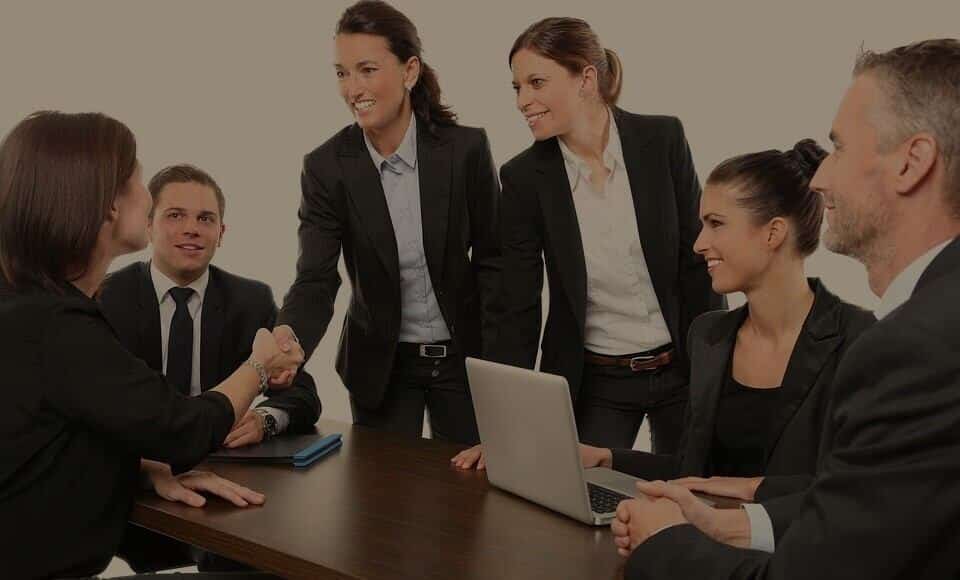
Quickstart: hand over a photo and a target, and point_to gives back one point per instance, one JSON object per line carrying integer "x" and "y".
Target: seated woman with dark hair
{"x": 760, "y": 374}
{"x": 84, "y": 418}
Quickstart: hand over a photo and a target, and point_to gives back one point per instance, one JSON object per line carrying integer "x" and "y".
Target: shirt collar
{"x": 406, "y": 152}
{"x": 612, "y": 154}
{"x": 162, "y": 284}
{"x": 905, "y": 282}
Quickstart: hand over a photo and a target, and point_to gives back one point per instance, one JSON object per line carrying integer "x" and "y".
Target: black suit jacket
{"x": 884, "y": 503}
{"x": 539, "y": 222}
{"x": 829, "y": 330}
{"x": 79, "y": 412}
{"x": 234, "y": 308}
{"x": 344, "y": 209}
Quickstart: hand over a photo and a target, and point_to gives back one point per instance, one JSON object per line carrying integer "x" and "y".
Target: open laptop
{"x": 530, "y": 443}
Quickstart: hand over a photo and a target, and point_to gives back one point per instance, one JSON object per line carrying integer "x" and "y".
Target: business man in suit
{"x": 410, "y": 199}
{"x": 194, "y": 322}
{"x": 883, "y": 503}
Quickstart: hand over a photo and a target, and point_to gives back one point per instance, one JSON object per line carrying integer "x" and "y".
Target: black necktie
{"x": 180, "y": 345}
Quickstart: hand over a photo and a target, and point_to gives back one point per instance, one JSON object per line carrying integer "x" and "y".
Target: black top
{"x": 79, "y": 412}
{"x": 796, "y": 417}
{"x": 743, "y": 428}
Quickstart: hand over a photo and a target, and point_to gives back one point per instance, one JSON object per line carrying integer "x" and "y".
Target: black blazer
{"x": 344, "y": 208}
{"x": 883, "y": 504}
{"x": 79, "y": 412}
{"x": 828, "y": 331}
{"x": 539, "y": 221}
{"x": 234, "y": 308}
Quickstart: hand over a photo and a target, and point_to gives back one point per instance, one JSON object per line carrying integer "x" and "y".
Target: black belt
{"x": 441, "y": 349}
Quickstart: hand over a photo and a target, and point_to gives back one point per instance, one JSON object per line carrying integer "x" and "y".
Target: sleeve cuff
{"x": 761, "y": 528}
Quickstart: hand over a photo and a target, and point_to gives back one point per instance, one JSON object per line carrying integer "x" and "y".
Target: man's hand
{"x": 184, "y": 488}
{"x": 744, "y": 488}
{"x": 468, "y": 457}
{"x": 728, "y": 526}
{"x": 248, "y": 431}
{"x": 638, "y": 519}
{"x": 286, "y": 340}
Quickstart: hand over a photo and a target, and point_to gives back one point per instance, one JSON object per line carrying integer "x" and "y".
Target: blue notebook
{"x": 297, "y": 450}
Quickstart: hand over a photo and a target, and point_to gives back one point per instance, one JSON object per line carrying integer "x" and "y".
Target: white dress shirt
{"x": 162, "y": 285}
{"x": 898, "y": 292}
{"x": 623, "y": 315}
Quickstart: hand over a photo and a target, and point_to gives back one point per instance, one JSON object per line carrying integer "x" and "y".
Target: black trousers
{"x": 613, "y": 402}
{"x": 438, "y": 385}
{"x": 148, "y": 551}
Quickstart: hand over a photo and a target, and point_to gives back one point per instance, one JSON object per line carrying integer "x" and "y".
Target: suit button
{"x": 439, "y": 292}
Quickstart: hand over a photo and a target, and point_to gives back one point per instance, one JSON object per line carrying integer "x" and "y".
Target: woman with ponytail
{"x": 410, "y": 198}
{"x": 761, "y": 375}
{"x": 608, "y": 199}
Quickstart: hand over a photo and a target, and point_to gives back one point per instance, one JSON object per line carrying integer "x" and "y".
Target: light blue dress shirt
{"x": 420, "y": 318}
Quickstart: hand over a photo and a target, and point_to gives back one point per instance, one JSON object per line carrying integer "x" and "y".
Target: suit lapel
{"x": 645, "y": 186}
{"x": 434, "y": 167}
{"x": 710, "y": 361}
{"x": 366, "y": 192}
{"x": 212, "y": 318}
{"x": 818, "y": 339}
{"x": 149, "y": 336}
{"x": 563, "y": 229}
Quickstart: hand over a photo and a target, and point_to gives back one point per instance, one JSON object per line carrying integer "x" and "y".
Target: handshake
{"x": 280, "y": 353}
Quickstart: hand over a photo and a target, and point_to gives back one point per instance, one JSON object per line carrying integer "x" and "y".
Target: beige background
{"x": 244, "y": 89}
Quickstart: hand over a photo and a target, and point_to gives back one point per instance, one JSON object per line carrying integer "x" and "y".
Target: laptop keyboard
{"x": 603, "y": 500}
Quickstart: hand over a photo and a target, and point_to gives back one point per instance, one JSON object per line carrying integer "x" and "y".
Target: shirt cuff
{"x": 761, "y": 528}
{"x": 280, "y": 416}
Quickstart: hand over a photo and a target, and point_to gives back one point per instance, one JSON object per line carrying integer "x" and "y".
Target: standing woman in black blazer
{"x": 609, "y": 200}
{"x": 410, "y": 198}
{"x": 82, "y": 415}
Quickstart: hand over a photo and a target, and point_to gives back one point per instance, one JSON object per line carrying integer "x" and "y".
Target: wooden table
{"x": 385, "y": 507}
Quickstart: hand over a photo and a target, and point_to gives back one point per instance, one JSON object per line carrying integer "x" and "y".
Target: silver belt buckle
{"x": 636, "y": 361}
{"x": 433, "y": 350}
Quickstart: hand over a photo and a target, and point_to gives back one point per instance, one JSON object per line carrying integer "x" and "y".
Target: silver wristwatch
{"x": 269, "y": 423}
{"x": 262, "y": 372}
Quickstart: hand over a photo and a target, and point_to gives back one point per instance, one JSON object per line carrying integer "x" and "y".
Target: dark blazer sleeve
{"x": 308, "y": 306}
{"x": 696, "y": 287}
{"x": 782, "y": 498}
{"x": 882, "y": 503}
{"x": 483, "y": 199}
{"x": 116, "y": 394}
{"x": 300, "y": 401}
{"x": 520, "y": 293}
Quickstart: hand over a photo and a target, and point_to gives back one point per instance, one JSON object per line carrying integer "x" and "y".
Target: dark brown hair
{"x": 922, "y": 84}
{"x": 60, "y": 174}
{"x": 571, "y": 43}
{"x": 381, "y": 19}
{"x": 777, "y": 184}
{"x": 184, "y": 173}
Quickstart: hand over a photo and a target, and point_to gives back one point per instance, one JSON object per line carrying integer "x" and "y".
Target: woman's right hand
{"x": 468, "y": 457}
{"x": 275, "y": 360}
{"x": 591, "y": 456}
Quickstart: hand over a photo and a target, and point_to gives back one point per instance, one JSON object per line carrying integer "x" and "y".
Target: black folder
{"x": 297, "y": 450}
